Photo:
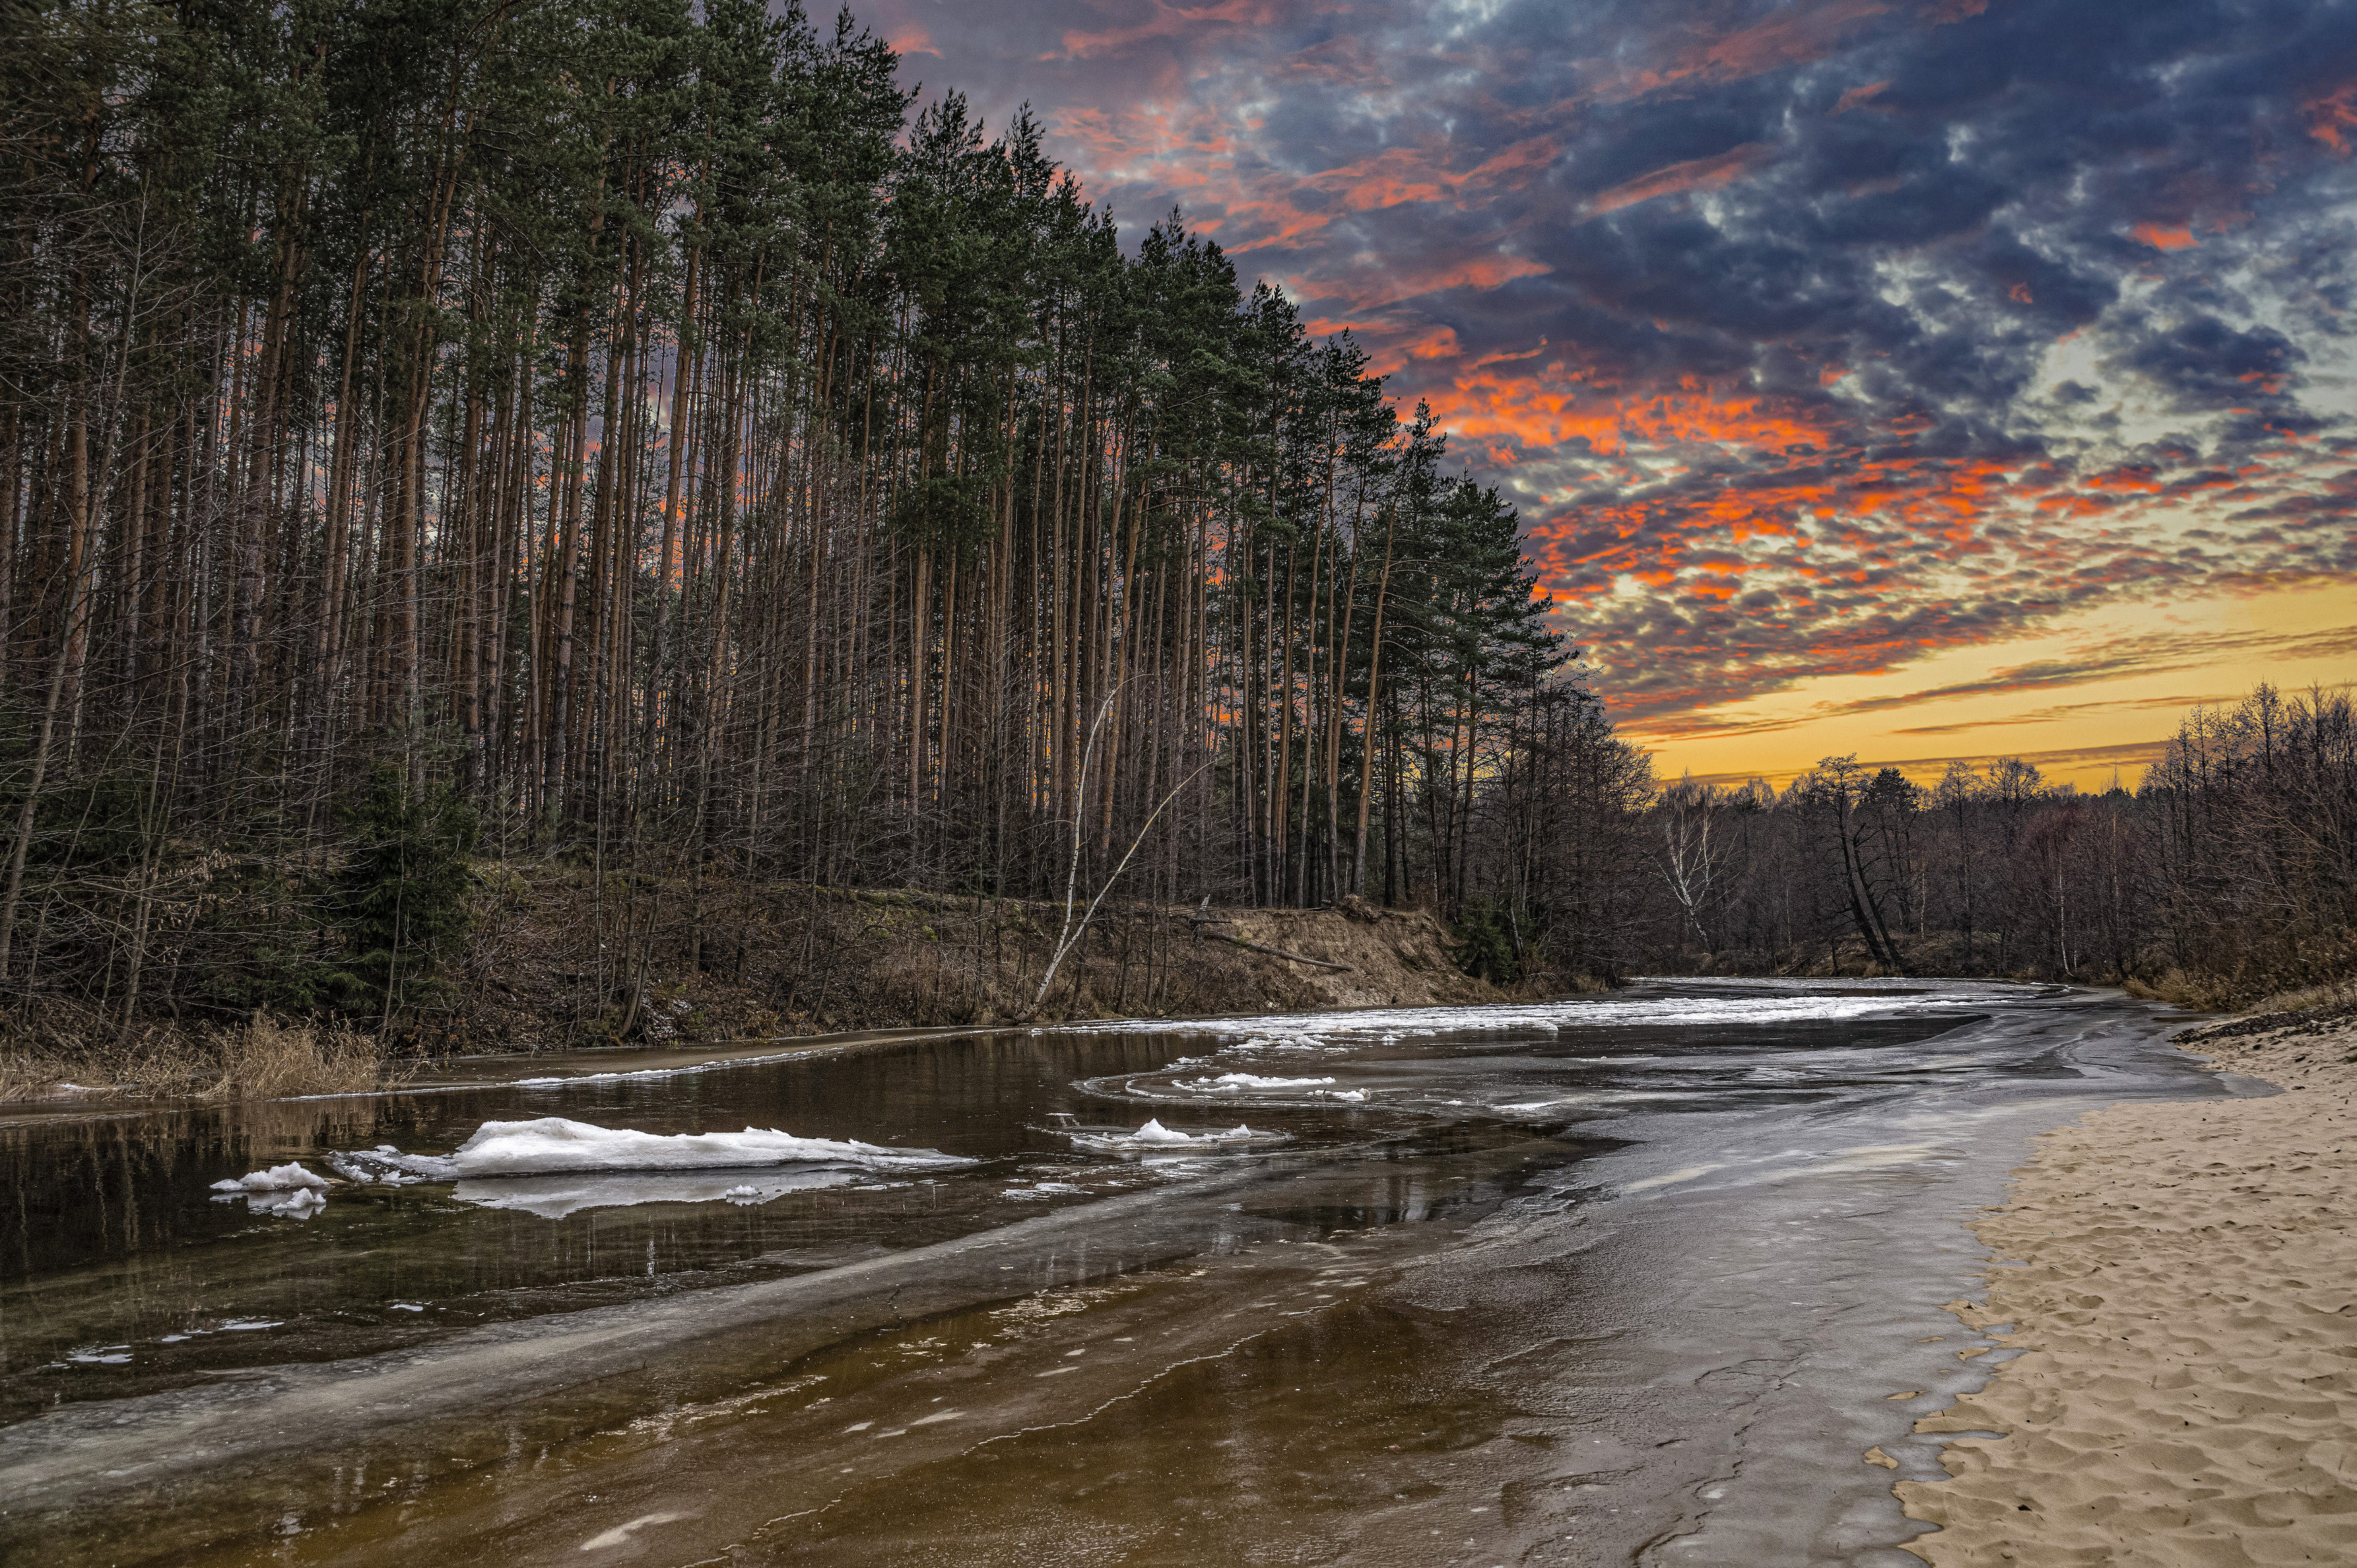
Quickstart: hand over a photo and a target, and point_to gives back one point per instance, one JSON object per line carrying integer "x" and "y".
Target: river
{"x": 1636, "y": 1278}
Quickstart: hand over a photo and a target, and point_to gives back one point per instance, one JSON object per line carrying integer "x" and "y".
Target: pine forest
{"x": 652, "y": 441}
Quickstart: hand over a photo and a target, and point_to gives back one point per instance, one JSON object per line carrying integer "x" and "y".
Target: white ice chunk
{"x": 1738, "y": 1002}
{"x": 554, "y": 1144}
{"x": 1155, "y": 1135}
{"x": 288, "y": 1191}
{"x": 289, "y": 1177}
{"x": 621, "y": 1534}
{"x": 1045, "y": 1189}
{"x": 1230, "y": 1082}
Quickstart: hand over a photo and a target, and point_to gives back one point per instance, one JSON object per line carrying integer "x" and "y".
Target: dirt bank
{"x": 560, "y": 959}
{"x": 555, "y": 965}
{"x": 2182, "y": 1280}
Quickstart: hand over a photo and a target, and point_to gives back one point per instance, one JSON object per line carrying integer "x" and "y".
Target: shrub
{"x": 399, "y": 901}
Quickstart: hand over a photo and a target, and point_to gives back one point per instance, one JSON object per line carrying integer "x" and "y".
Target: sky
{"x": 1911, "y": 379}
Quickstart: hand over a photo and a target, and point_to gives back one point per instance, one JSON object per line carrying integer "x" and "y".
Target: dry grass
{"x": 263, "y": 1059}
{"x": 271, "y": 1059}
{"x": 2335, "y": 1000}
{"x": 2222, "y": 994}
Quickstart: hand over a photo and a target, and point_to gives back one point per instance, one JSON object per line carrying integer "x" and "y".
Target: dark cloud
{"x": 2125, "y": 759}
{"x": 1811, "y": 338}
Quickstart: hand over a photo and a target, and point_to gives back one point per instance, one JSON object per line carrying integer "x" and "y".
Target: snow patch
{"x": 287, "y": 1177}
{"x": 621, "y": 1534}
{"x": 1229, "y": 1082}
{"x": 556, "y": 1144}
{"x": 286, "y": 1191}
{"x": 1756, "y": 1003}
{"x": 1155, "y": 1135}
{"x": 1045, "y": 1189}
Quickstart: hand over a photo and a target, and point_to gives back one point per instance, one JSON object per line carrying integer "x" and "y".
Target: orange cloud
{"x": 2332, "y": 116}
{"x": 1395, "y": 176}
{"x": 1398, "y": 175}
{"x": 1789, "y": 38}
{"x": 1167, "y": 21}
{"x": 1858, "y": 96}
{"x": 1434, "y": 343}
{"x": 1375, "y": 287}
{"x": 2161, "y": 238}
{"x": 1694, "y": 174}
{"x": 1550, "y": 407}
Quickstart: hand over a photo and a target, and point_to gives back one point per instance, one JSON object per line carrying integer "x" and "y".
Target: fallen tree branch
{"x": 1069, "y": 938}
{"x": 1272, "y": 952}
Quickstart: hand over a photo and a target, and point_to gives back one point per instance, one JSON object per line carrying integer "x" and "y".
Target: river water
{"x": 1629, "y": 1279}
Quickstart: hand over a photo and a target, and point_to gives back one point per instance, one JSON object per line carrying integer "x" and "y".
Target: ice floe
{"x": 233, "y": 1326}
{"x": 287, "y": 1191}
{"x": 552, "y": 1145}
{"x": 289, "y": 1177}
{"x": 1045, "y": 1189}
{"x": 1155, "y": 1135}
{"x": 1230, "y": 1082}
{"x": 1786, "y": 1002}
{"x": 1298, "y": 1042}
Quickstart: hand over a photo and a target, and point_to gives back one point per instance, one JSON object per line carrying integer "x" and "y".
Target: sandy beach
{"x": 2181, "y": 1282}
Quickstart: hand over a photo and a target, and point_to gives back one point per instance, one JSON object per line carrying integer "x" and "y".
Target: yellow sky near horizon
{"x": 2095, "y": 698}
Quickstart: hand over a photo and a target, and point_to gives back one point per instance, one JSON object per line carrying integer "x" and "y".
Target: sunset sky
{"x": 1921, "y": 379}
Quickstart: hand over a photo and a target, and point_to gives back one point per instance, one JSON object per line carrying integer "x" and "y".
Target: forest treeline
{"x": 647, "y": 439}
{"x": 637, "y": 438}
{"x": 2228, "y": 873}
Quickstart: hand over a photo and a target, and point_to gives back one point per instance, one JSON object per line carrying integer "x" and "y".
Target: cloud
{"x": 2125, "y": 756}
{"x": 1694, "y": 174}
{"x": 2064, "y": 711}
{"x": 1811, "y": 338}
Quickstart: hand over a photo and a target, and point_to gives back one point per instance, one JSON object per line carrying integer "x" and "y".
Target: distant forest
{"x": 625, "y": 436}
{"x": 2230, "y": 872}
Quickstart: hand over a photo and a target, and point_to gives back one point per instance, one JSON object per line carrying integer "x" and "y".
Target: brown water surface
{"x": 1567, "y": 1284}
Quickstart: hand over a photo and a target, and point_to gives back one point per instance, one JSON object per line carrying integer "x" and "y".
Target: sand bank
{"x": 2181, "y": 1280}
